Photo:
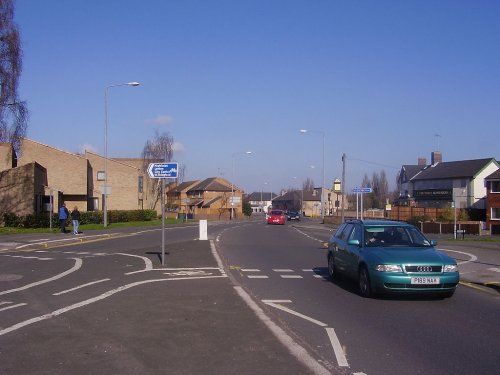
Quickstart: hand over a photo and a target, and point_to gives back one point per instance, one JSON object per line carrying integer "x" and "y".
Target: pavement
{"x": 203, "y": 325}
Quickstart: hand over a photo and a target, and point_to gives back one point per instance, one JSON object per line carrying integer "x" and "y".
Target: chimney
{"x": 422, "y": 162}
{"x": 436, "y": 157}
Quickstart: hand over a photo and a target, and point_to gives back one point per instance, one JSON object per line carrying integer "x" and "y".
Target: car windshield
{"x": 388, "y": 236}
{"x": 276, "y": 213}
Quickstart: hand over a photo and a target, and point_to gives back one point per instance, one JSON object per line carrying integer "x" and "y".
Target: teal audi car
{"x": 390, "y": 257}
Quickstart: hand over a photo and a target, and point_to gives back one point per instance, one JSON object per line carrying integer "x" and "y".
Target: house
{"x": 177, "y": 199}
{"x": 289, "y": 201}
{"x": 441, "y": 184}
{"x": 493, "y": 202}
{"x": 261, "y": 201}
{"x": 212, "y": 198}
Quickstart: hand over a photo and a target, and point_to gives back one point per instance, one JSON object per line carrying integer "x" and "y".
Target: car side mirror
{"x": 433, "y": 242}
{"x": 353, "y": 242}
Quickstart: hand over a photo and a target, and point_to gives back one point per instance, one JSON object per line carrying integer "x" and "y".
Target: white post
{"x": 203, "y": 230}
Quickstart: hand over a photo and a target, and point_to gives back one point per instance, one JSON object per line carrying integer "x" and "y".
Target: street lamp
{"x": 232, "y": 179}
{"x": 323, "y": 172}
{"x": 106, "y": 187}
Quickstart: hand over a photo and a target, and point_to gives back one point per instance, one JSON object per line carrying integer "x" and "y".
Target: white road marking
{"x": 79, "y": 287}
{"x": 298, "y": 351}
{"x": 291, "y": 277}
{"x": 494, "y": 269}
{"x": 337, "y": 348}
{"x": 188, "y": 273}
{"x": 473, "y": 258}
{"x": 249, "y": 270}
{"x": 77, "y": 266}
{"x": 286, "y": 309}
{"x": 92, "y": 300}
{"x": 27, "y": 257}
{"x": 148, "y": 265}
{"x": 13, "y": 306}
{"x": 215, "y": 254}
{"x": 282, "y": 270}
{"x": 258, "y": 277}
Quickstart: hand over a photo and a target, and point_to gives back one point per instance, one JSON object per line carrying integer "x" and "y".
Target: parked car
{"x": 276, "y": 217}
{"x": 390, "y": 256}
{"x": 292, "y": 215}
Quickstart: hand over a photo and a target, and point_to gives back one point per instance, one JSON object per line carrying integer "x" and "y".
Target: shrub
{"x": 86, "y": 217}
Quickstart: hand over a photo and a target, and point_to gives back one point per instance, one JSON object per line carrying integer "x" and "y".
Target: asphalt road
{"x": 254, "y": 299}
{"x": 284, "y": 267}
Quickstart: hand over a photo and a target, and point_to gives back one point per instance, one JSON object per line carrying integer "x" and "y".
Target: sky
{"x": 384, "y": 82}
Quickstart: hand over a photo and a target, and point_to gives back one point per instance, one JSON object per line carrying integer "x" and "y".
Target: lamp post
{"x": 232, "y": 179}
{"x": 106, "y": 187}
{"x": 323, "y": 168}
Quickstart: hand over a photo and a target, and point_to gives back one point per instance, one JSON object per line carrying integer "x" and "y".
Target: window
{"x": 141, "y": 184}
{"x": 495, "y": 213}
{"x": 356, "y": 233}
{"x": 346, "y": 232}
{"x": 495, "y": 186}
{"x": 101, "y": 176}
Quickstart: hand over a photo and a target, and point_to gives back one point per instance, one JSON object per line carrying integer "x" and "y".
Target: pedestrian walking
{"x": 75, "y": 217}
{"x": 63, "y": 216}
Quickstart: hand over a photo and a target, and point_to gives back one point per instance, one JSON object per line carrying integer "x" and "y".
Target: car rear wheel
{"x": 332, "y": 272}
{"x": 364, "y": 283}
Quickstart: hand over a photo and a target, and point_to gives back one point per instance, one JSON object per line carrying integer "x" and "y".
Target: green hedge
{"x": 90, "y": 217}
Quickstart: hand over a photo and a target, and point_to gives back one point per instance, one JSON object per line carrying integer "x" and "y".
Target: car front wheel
{"x": 332, "y": 272}
{"x": 364, "y": 283}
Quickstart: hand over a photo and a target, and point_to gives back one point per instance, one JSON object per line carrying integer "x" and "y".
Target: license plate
{"x": 425, "y": 280}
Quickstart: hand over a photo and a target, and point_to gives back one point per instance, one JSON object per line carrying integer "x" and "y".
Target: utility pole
{"x": 343, "y": 187}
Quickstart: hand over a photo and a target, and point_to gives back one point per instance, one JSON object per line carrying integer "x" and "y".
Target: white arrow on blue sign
{"x": 362, "y": 190}
{"x": 163, "y": 170}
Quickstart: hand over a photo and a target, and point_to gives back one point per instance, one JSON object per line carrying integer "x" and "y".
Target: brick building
{"x": 43, "y": 174}
{"x": 493, "y": 202}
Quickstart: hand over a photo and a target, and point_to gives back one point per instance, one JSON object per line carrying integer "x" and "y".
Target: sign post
{"x": 358, "y": 191}
{"x": 163, "y": 171}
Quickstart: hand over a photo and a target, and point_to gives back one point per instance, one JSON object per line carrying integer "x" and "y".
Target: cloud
{"x": 178, "y": 147}
{"x": 161, "y": 120}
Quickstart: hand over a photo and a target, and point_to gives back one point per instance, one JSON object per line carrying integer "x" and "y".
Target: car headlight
{"x": 450, "y": 268}
{"x": 388, "y": 268}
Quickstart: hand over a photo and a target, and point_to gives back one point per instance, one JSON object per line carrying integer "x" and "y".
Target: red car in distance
{"x": 276, "y": 217}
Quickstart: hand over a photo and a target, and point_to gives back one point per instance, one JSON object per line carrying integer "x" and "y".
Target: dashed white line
{"x": 258, "y": 277}
{"x": 13, "y": 306}
{"x": 79, "y": 287}
{"x": 337, "y": 348}
{"x": 291, "y": 277}
{"x": 282, "y": 270}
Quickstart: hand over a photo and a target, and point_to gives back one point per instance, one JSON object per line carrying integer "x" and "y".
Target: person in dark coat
{"x": 75, "y": 217}
{"x": 63, "y": 216}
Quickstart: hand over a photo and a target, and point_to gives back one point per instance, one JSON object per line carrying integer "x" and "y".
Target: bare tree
{"x": 156, "y": 150}
{"x": 308, "y": 185}
{"x": 13, "y": 112}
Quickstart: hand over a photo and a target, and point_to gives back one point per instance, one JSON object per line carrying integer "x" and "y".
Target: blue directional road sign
{"x": 362, "y": 190}
{"x": 163, "y": 170}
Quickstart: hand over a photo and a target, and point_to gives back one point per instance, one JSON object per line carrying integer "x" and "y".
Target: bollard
{"x": 203, "y": 230}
